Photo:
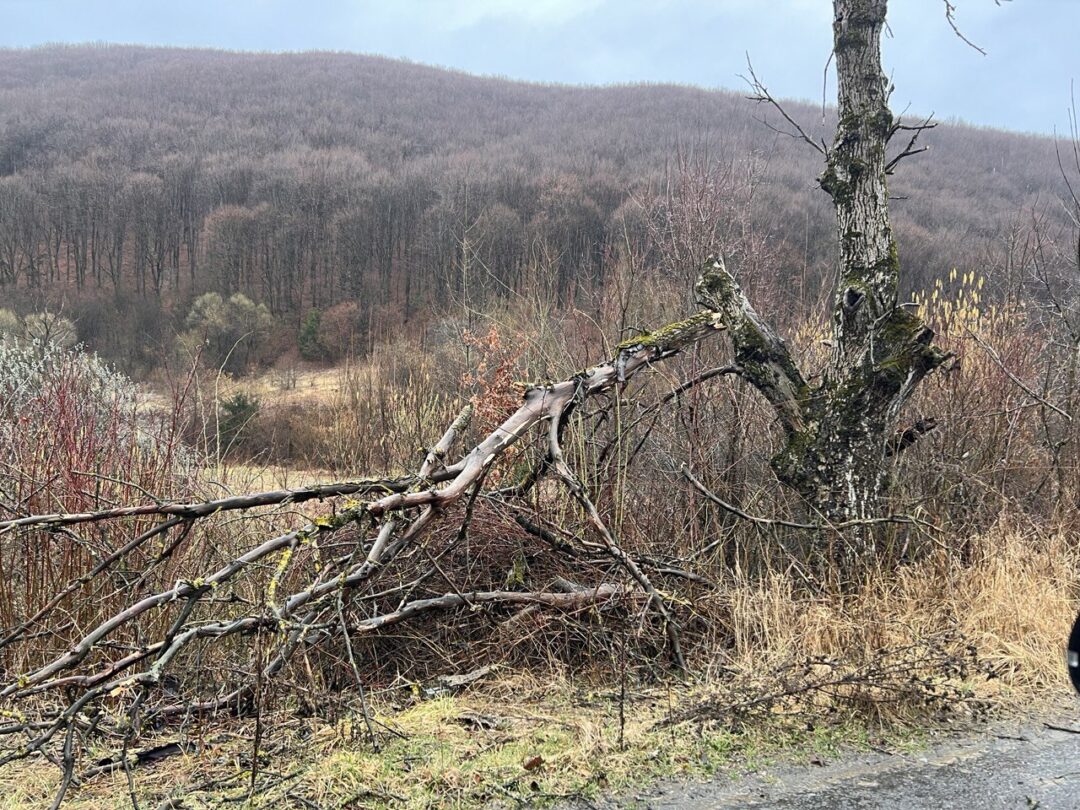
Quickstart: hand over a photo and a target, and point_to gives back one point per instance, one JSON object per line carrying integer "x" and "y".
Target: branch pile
{"x": 345, "y": 576}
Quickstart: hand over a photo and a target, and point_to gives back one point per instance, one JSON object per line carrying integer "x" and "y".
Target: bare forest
{"x": 135, "y": 180}
{"x": 355, "y": 414}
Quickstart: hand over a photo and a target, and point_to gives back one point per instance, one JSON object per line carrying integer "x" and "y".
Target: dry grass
{"x": 534, "y": 742}
{"x": 236, "y": 477}
{"x": 306, "y": 384}
{"x": 1014, "y": 601}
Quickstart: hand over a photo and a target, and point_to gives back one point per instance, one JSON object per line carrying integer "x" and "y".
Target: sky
{"x": 1023, "y": 82}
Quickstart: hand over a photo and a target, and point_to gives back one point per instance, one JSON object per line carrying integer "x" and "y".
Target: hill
{"x": 134, "y": 179}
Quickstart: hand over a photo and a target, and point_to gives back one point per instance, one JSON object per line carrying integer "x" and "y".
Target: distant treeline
{"x": 132, "y": 180}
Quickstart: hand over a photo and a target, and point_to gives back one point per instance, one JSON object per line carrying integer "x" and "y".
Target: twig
{"x": 950, "y": 12}
{"x": 1052, "y": 727}
{"x": 577, "y": 489}
{"x": 762, "y": 94}
{"x": 910, "y": 149}
{"x": 817, "y": 527}
{"x": 993, "y": 355}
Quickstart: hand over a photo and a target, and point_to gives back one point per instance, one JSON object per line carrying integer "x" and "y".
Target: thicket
{"x": 72, "y": 438}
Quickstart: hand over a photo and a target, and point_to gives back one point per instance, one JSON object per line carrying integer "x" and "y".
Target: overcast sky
{"x": 1022, "y": 83}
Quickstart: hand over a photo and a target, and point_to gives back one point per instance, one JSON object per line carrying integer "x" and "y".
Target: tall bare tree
{"x": 839, "y": 433}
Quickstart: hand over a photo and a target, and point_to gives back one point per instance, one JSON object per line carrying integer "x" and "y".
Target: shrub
{"x": 236, "y": 413}
{"x": 342, "y": 329}
{"x": 11, "y": 327}
{"x": 73, "y": 438}
{"x": 229, "y": 331}
{"x": 48, "y": 327}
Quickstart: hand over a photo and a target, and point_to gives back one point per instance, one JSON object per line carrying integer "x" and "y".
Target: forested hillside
{"x": 134, "y": 179}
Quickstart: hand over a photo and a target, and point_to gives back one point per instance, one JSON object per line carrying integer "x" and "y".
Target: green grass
{"x": 536, "y": 746}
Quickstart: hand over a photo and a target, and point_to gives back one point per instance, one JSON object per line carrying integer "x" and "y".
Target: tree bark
{"x": 839, "y": 434}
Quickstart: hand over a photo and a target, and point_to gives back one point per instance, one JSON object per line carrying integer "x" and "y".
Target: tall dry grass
{"x": 1009, "y": 600}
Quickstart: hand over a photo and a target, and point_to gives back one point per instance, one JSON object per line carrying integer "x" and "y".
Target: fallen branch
{"x": 817, "y": 527}
{"x": 202, "y": 509}
{"x": 291, "y": 616}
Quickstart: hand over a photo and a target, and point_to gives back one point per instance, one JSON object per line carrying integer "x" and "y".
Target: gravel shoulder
{"x": 1022, "y": 765}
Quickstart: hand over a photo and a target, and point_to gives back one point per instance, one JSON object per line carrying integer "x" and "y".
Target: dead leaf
{"x": 458, "y": 681}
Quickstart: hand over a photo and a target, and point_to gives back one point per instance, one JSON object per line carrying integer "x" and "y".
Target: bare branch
{"x": 203, "y": 509}
{"x": 950, "y": 16}
{"x": 406, "y": 508}
{"x": 434, "y": 461}
{"x": 577, "y": 489}
{"x": 762, "y": 95}
{"x": 911, "y": 148}
{"x": 991, "y": 352}
{"x": 817, "y": 527}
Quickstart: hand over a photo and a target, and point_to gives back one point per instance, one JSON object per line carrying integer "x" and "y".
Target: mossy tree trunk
{"x": 840, "y": 433}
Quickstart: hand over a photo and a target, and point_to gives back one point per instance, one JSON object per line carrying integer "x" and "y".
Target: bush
{"x": 333, "y": 334}
{"x": 236, "y": 413}
{"x": 73, "y": 438}
{"x": 11, "y": 327}
{"x": 230, "y": 332}
{"x": 289, "y": 434}
{"x": 48, "y": 327}
{"x": 342, "y": 330}
{"x": 64, "y": 413}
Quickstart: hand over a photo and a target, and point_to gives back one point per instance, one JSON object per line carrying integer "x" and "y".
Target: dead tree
{"x": 839, "y": 433}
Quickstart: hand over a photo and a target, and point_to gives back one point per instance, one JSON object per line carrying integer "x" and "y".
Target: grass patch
{"x": 518, "y": 742}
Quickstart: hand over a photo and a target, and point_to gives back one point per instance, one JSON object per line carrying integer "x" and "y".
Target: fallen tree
{"x": 384, "y": 534}
{"x": 387, "y": 527}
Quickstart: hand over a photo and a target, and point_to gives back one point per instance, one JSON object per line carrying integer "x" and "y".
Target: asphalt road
{"x": 1000, "y": 768}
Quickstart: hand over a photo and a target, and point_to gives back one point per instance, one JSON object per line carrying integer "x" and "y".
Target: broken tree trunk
{"x": 839, "y": 434}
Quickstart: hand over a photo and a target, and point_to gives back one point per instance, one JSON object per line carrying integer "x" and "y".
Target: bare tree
{"x": 839, "y": 433}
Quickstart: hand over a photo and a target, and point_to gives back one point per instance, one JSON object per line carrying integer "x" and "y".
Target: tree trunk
{"x": 840, "y": 434}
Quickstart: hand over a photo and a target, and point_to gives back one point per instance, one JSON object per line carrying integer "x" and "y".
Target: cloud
{"x": 1022, "y": 83}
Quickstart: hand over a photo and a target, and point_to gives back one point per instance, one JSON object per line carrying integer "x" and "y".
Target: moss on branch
{"x": 673, "y": 335}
